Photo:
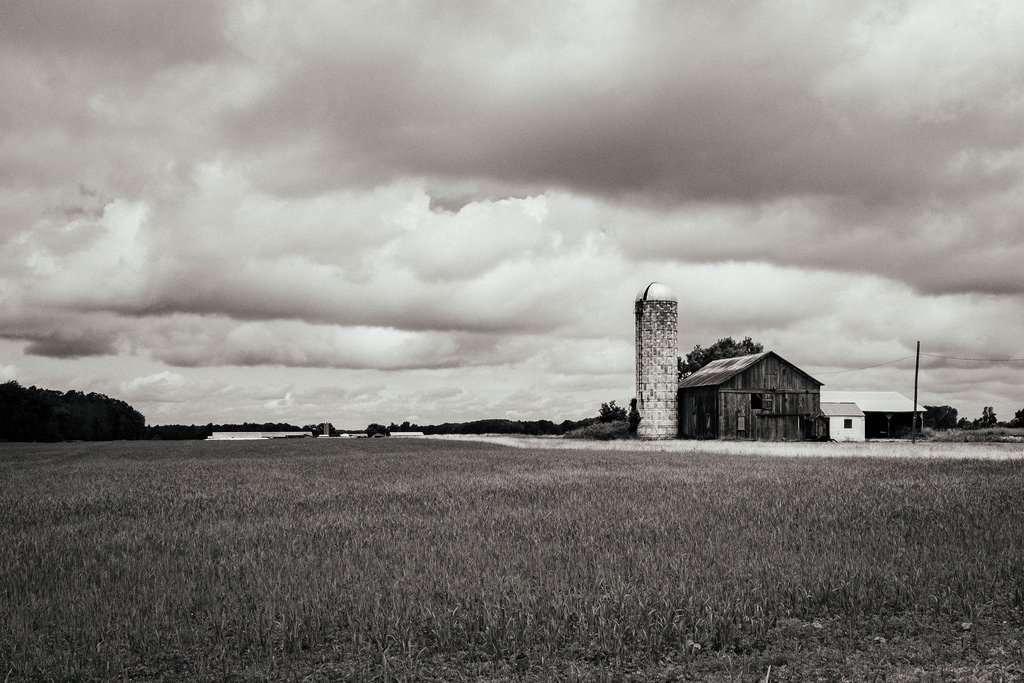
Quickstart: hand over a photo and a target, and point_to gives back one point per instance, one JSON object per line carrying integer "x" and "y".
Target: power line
{"x": 982, "y": 360}
{"x": 930, "y": 355}
{"x": 888, "y": 362}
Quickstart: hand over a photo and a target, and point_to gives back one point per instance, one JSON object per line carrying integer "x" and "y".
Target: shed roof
{"x": 719, "y": 371}
{"x": 841, "y": 410}
{"x": 873, "y": 401}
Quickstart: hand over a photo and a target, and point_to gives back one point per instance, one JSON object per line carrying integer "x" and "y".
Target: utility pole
{"x": 917, "y": 365}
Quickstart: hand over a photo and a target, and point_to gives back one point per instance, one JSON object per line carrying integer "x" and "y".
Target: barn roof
{"x": 719, "y": 371}
{"x": 873, "y": 401}
{"x": 250, "y": 436}
{"x": 841, "y": 410}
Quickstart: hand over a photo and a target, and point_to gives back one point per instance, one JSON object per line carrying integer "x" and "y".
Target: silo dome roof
{"x": 656, "y": 292}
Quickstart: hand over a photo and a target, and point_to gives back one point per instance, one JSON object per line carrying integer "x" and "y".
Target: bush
{"x": 994, "y": 434}
{"x": 602, "y": 431}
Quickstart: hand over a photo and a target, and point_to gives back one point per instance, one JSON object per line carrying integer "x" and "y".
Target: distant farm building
{"x": 407, "y": 435}
{"x": 761, "y": 396}
{"x": 251, "y": 436}
{"x": 842, "y": 421}
{"x": 887, "y": 414}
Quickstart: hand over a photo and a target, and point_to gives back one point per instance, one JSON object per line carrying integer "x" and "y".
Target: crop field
{"x": 402, "y": 559}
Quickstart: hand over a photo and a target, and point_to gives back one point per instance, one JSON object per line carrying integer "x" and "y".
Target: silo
{"x": 657, "y": 348}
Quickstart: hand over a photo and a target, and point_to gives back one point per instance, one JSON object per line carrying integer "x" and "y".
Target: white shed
{"x": 845, "y": 421}
{"x": 887, "y": 414}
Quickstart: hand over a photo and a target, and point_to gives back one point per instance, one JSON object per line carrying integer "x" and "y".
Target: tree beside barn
{"x": 726, "y": 347}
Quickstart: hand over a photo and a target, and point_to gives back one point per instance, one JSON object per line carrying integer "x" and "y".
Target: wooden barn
{"x": 758, "y": 397}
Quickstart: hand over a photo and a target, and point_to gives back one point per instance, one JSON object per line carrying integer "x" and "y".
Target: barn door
{"x": 771, "y": 427}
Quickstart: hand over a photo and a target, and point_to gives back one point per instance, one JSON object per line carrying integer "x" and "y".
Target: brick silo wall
{"x": 657, "y": 347}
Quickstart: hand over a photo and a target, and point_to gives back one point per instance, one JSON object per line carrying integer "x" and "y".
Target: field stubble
{"x": 429, "y": 559}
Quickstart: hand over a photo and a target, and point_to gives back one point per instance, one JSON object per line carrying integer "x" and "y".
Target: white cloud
{"x": 448, "y": 211}
{"x": 281, "y": 404}
{"x": 8, "y": 372}
{"x": 479, "y": 238}
{"x": 158, "y": 387}
{"x": 105, "y": 261}
{"x": 935, "y": 61}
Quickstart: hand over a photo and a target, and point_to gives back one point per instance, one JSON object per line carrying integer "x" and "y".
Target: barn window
{"x": 755, "y": 401}
{"x": 767, "y": 401}
{"x": 848, "y": 423}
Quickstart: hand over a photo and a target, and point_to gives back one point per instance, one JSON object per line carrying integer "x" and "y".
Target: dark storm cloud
{"x": 56, "y": 334}
{"x": 222, "y": 342}
{"x": 139, "y": 35}
{"x": 100, "y": 92}
{"x": 258, "y": 191}
{"x": 939, "y": 246}
{"x": 68, "y": 344}
{"x": 738, "y": 103}
{"x": 249, "y": 296}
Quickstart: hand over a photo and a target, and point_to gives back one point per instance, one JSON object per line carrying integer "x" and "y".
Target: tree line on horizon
{"x": 34, "y": 414}
{"x": 48, "y": 415}
{"x": 491, "y": 426}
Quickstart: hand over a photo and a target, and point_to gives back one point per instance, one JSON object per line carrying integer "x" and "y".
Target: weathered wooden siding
{"x": 770, "y": 401}
{"x": 698, "y": 413}
{"x": 772, "y": 373}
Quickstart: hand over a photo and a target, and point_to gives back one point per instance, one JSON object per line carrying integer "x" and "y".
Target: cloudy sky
{"x": 442, "y": 211}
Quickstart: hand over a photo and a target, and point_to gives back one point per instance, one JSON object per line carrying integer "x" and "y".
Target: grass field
{"x": 455, "y": 560}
